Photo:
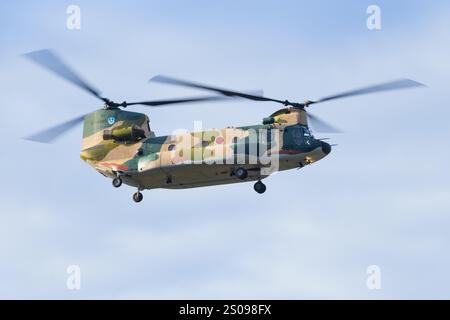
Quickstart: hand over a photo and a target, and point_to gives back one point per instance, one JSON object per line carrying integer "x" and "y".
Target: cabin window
{"x": 171, "y": 147}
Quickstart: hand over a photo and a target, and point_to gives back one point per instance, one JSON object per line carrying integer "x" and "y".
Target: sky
{"x": 381, "y": 198}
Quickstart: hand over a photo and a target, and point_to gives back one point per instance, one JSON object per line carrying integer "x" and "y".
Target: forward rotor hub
{"x": 114, "y": 105}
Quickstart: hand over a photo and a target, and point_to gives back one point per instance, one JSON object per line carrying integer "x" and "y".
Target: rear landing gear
{"x": 137, "y": 197}
{"x": 117, "y": 182}
{"x": 259, "y": 187}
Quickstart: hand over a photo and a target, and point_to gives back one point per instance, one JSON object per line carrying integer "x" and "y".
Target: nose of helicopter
{"x": 326, "y": 148}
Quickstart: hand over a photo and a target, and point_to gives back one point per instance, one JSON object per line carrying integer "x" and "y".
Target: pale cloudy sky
{"x": 380, "y": 198}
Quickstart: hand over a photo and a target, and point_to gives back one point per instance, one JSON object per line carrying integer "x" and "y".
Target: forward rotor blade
{"x": 321, "y": 126}
{"x": 225, "y": 92}
{"x": 48, "y": 60}
{"x": 160, "y": 103}
{"x": 51, "y": 134}
{"x": 388, "y": 86}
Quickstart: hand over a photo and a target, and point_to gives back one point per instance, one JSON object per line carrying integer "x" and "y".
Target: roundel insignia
{"x": 111, "y": 120}
{"x": 219, "y": 140}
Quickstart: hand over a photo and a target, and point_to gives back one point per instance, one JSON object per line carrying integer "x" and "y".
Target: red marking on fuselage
{"x": 291, "y": 152}
{"x": 176, "y": 159}
{"x": 114, "y": 166}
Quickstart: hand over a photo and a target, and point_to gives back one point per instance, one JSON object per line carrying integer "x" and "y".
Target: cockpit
{"x": 298, "y": 135}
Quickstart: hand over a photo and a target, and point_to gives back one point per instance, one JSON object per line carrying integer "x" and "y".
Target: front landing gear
{"x": 259, "y": 187}
{"x": 117, "y": 182}
{"x": 137, "y": 197}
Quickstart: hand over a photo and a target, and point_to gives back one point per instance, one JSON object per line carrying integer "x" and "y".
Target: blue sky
{"x": 380, "y": 198}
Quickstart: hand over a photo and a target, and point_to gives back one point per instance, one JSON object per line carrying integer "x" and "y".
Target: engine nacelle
{"x": 290, "y": 116}
{"x": 132, "y": 133}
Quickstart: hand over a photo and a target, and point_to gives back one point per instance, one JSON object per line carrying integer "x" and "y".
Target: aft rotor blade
{"x": 51, "y": 134}
{"x": 225, "y": 92}
{"x": 48, "y": 60}
{"x": 388, "y": 86}
{"x": 321, "y": 126}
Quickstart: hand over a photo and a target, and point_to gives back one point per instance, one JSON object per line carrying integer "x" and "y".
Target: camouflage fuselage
{"x": 120, "y": 143}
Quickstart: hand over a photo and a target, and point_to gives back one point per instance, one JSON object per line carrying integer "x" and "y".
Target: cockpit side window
{"x": 306, "y": 132}
{"x": 296, "y": 134}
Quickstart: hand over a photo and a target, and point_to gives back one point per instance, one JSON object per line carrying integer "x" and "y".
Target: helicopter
{"x": 120, "y": 144}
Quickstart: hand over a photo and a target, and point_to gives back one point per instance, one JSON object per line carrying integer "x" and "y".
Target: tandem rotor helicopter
{"x": 120, "y": 144}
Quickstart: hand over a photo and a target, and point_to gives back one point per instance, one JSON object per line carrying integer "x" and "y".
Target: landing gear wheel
{"x": 259, "y": 187}
{"x": 117, "y": 182}
{"x": 137, "y": 197}
{"x": 241, "y": 173}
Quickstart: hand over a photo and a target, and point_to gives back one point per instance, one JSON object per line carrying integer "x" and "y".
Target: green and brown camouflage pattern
{"x": 120, "y": 143}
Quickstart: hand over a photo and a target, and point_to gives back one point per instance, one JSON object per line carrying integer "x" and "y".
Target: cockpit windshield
{"x": 306, "y": 132}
